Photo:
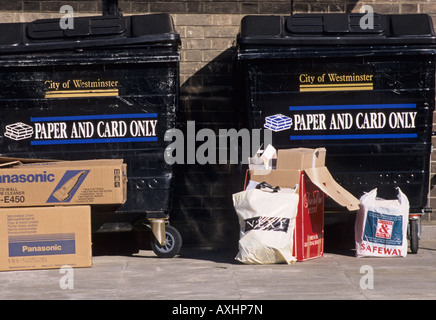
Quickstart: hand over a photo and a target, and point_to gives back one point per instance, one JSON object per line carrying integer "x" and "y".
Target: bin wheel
{"x": 414, "y": 238}
{"x": 173, "y": 243}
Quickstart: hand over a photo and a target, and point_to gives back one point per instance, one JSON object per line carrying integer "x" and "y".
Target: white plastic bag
{"x": 381, "y": 226}
{"x": 267, "y": 221}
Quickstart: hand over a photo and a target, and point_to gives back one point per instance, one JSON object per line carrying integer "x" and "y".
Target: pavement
{"x": 213, "y": 274}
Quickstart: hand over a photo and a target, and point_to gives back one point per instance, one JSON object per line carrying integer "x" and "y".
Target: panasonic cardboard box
{"x": 45, "y": 237}
{"x": 62, "y": 183}
{"x": 305, "y": 168}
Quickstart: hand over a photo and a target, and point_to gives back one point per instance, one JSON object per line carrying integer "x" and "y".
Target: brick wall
{"x": 202, "y": 201}
{"x": 222, "y": 6}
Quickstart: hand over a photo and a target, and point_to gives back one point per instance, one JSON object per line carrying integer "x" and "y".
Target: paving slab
{"x": 213, "y": 274}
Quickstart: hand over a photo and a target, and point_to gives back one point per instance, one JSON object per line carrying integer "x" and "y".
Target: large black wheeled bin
{"x": 106, "y": 88}
{"x": 365, "y": 94}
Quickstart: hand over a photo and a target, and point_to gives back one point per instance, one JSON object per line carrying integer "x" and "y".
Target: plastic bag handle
{"x": 267, "y": 185}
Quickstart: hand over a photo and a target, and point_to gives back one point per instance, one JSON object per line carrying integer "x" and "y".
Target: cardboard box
{"x": 62, "y": 183}
{"x": 45, "y": 237}
{"x": 314, "y": 182}
{"x": 300, "y": 158}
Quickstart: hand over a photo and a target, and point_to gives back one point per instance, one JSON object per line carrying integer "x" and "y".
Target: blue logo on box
{"x": 68, "y": 186}
{"x": 42, "y": 244}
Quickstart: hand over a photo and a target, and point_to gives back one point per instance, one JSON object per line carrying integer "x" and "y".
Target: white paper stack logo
{"x": 18, "y": 131}
{"x": 278, "y": 122}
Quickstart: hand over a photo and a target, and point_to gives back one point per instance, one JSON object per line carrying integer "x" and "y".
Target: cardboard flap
{"x": 322, "y": 178}
{"x": 23, "y": 160}
{"x": 10, "y": 164}
{"x": 79, "y": 163}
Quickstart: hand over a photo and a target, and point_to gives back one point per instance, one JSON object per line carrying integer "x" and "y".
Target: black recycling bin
{"x": 106, "y": 88}
{"x": 365, "y": 94}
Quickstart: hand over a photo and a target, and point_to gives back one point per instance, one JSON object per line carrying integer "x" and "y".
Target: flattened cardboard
{"x": 63, "y": 183}
{"x": 45, "y": 237}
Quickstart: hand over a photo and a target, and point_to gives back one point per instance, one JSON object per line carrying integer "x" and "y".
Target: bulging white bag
{"x": 381, "y": 226}
{"x": 267, "y": 221}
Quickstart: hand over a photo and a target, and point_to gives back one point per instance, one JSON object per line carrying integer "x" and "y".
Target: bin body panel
{"x": 109, "y": 102}
{"x": 371, "y": 107}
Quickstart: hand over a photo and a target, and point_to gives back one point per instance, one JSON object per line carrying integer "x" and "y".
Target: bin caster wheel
{"x": 172, "y": 246}
{"x": 414, "y": 237}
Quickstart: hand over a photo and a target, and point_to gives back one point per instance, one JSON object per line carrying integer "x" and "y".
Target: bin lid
{"x": 337, "y": 29}
{"x": 106, "y": 31}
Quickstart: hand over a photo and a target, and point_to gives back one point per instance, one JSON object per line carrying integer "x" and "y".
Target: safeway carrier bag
{"x": 267, "y": 220}
{"x": 381, "y": 226}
